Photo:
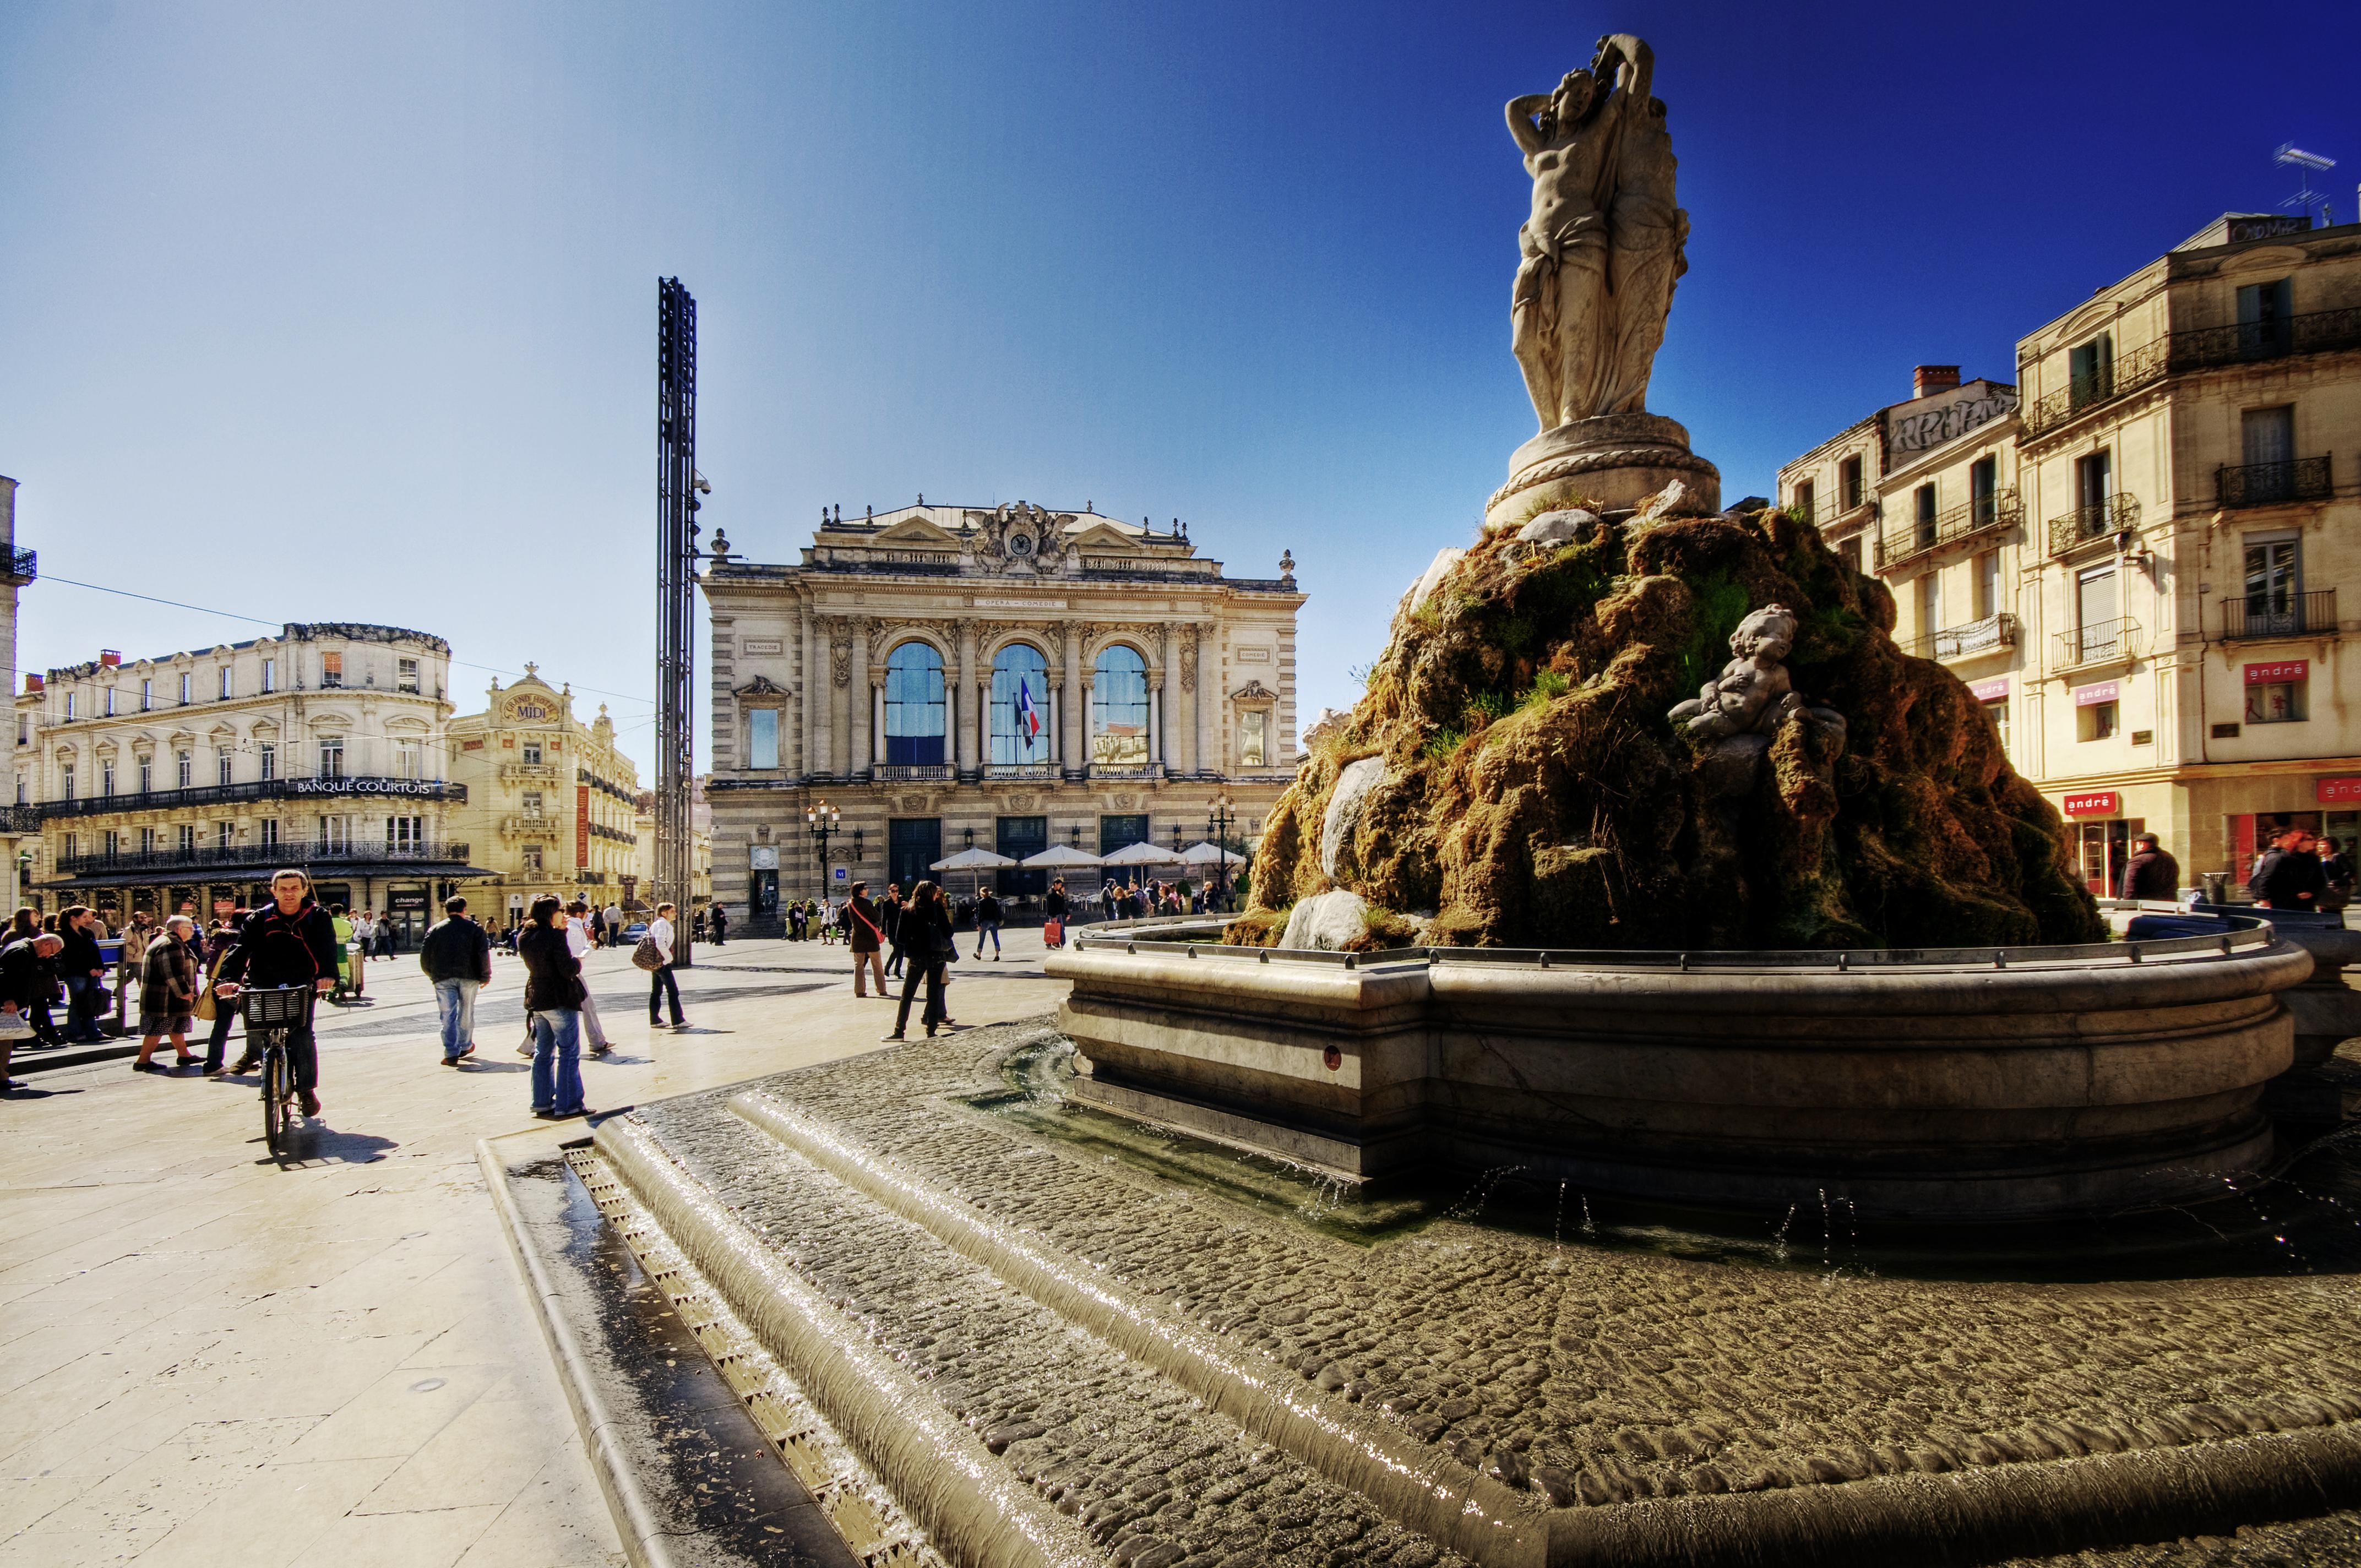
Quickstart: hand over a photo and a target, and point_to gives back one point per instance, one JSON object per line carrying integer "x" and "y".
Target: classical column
{"x": 1168, "y": 707}
{"x": 1057, "y": 736}
{"x": 819, "y": 695}
{"x": 877, "y": 719}
{"x": 964, "y": 712}
{"x": 1156, "y": 721}
{"x": 802, "y": 751}
{"x": 1074, "y": 753}
{"x": 857, "y": 700}
{"x": 1209, "y": 758}
{"x": 1184, "y": 714}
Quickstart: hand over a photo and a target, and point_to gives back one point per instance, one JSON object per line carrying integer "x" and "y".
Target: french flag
{"x": 1028, "y": 718}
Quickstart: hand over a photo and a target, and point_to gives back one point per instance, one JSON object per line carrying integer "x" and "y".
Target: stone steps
{"x": 1044, "y": 1352}
{"x": 1004, "y": 1429}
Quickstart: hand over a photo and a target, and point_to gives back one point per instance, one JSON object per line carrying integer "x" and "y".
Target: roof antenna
{"x": 2306, "y": 198}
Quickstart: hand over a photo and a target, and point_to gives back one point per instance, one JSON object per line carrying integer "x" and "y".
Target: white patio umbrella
{"x": 1061, "y": 857}
{"x": 1205, "y": 853}
{"x": 975, "y": 861}
{"x": 1145, "y": 853}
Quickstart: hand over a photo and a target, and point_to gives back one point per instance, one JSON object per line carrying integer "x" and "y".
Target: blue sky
{"x": 345, "y": 312}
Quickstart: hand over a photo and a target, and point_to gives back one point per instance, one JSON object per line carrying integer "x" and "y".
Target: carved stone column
{"x": 1185, "y": 712}
{"x": 1169, "y": 702}
{"x": 858, "y": 704}
{"x": 819, "y": 694}
{"x": 1209, "y": 756}
{"x": 964, "y": 714}
{"x": 1073, "y": 707}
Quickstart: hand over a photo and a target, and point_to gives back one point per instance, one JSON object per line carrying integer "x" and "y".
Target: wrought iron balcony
{"x": 1826, "y": 515}
{"x": 1982, "y": 515}
{"x": 2117, "y": 513}
{"x": 2245, "y": 617}
{"x": 2316, "y": 332}
{"x": 2273, "y": 484}
{"x": 24, "y": 567}
{"x": 2143, "y": 366}
{"x": 233, "y": 857}
{"x": 259, "y": 789}
{"x": 1985, "y": 636}
{"x": 2100, "y": 643}
{"x": 520, "y": 824}
{"x": 21, "y": 819}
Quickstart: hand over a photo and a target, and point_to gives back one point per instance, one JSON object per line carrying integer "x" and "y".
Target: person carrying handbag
{"x": 924, "y": 939}
{"x": 868, "y": 934}
{"x": 23, "y": 985}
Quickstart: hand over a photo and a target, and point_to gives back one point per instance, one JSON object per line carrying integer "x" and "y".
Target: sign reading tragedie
{"x": 1926, "y": 422}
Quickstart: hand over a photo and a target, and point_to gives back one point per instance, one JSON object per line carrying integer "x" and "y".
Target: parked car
{"x": 635, "y": 931}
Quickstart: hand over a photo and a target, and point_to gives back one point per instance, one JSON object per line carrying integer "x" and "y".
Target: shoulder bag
{"x": 647, "y": 955}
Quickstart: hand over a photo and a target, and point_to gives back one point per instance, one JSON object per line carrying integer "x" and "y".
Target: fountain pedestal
{"x": 2018, "y": 1083}
{"x": 1613, "y": 461}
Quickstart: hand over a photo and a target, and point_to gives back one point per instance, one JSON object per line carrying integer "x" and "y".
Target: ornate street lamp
{"x": 820, "y": 821}
{"x": 1217, "y": 827}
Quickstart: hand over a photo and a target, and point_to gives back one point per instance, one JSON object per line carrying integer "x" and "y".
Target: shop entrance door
{"x": 762, "y": 896}
{"x": 2106, "y": 847}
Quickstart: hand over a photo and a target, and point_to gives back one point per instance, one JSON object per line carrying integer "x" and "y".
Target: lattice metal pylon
{"x": 678, "y": 484}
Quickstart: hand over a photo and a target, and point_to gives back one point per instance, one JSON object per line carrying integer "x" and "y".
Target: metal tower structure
{"x": 678, "y": 485}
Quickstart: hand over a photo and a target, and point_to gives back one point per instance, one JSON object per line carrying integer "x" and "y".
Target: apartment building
{"x": 550, "y": 801}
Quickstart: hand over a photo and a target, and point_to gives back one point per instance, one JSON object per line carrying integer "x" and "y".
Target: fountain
{"x": 1590, "y": 1150}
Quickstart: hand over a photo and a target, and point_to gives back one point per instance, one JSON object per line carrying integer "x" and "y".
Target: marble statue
{"x": 1603, "y": 246}
{"x": 1753, "y": 695}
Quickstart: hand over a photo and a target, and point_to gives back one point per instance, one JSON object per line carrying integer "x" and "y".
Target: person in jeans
{"x": 577, "y": 942}
{"x": 987, "y": 923}
{"x": 868, "y": 939}
{"x": 553, "y": 1001}
{"x": 720, "y": 926}
{"x": 23, "y": 985}
{"x": 889, "y": 916}
{"x": 288, "y": 941}
{"x": 82, "y": 970}
{"x": 924, "y": 939}
{"x": 661, "y": 984}
{"x": 218, "y": 943}
{"x": 457, "y": 956}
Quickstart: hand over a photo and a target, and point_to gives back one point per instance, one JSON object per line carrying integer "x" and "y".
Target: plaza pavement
{"x": 206, "y": 1359}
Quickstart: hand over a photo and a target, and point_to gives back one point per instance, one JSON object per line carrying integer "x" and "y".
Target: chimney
{"x": 32, "y": 682}
{"x": 1930, "y": 379}
{"x": 109, "y": 659}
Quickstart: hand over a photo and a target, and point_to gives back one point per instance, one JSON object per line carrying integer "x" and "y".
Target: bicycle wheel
{"x": 275, "y": 1091}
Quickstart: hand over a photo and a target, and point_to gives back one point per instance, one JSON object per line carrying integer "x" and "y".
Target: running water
{"x": 1557, "y": 1226}
{"x": 1779, "y": 1241}
{"x": 1589, "y": 1227}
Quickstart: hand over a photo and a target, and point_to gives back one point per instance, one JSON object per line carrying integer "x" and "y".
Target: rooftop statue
{"x": 1603, "y": 246}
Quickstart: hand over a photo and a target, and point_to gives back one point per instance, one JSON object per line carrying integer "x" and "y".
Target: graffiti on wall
{"x": 1946, "y": 417}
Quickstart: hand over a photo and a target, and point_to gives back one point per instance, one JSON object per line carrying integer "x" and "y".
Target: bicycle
{"x": 270, "y": 1012}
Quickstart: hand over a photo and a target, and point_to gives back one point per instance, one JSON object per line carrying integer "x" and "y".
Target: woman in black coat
{"x": 923, "y": 943}
{"x": 552, "y": 1002}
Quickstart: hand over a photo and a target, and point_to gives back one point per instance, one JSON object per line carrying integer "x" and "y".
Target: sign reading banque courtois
{"x": 367, "y": 786}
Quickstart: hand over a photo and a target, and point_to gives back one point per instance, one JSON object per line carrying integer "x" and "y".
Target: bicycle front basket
{"x": 271, "y": 1007}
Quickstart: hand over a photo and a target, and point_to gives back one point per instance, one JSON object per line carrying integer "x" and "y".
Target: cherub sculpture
{"x": 1752, "y": 694}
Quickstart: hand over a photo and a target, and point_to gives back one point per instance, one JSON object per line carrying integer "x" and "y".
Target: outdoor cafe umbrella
{"x": 1205, "y": 853}
{"x": 975, "y": 861}
{"x": 1144, "y": 853}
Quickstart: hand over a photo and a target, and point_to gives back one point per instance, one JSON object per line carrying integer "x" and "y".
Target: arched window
{"x": 1119, "y": 709}
{"x": 1020, "y": 705}
{"x": 914, "y": 707}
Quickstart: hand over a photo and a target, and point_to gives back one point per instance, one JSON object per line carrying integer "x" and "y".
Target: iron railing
{"x": 253, "y": 857}
{"x": 21, "y": 819}
{"x": 2100, "y": 643}
{"x": 2273, "y": 484}
{"x": 2249, "y": 616}
{"x": 259, "y": 789}
{"x": 2001, "y": 509}
{"x": 1965, "y": 641}
{"x": 2097, "y": 521}
{"x": 2143, "y": 366}
{"x": 24, "y": 567}
{"x": 2315, "y": 332}
{"x": 913, "y": 773}
{"x": 1022, "y": 770}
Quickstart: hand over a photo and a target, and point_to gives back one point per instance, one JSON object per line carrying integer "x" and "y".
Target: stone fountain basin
{"x": 1997, "y": 1084}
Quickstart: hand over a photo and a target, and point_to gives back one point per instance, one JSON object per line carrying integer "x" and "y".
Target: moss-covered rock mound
{"x": 1519, "y": 784}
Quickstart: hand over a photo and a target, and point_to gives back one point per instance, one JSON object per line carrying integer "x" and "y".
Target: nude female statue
{"x": 1603, "y": 244}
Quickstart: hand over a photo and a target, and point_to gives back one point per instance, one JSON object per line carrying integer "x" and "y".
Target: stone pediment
{"x": 1253, "y": 691}
{"x": 1099, "y": 533}
{"x": 914, "y": 531}
{"x": 762, "y": 685}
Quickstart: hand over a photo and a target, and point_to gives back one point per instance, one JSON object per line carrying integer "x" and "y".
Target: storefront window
{"x": 2277, "y": 702}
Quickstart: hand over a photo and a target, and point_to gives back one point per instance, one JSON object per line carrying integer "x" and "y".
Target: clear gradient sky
{"x": 346, "y": 313}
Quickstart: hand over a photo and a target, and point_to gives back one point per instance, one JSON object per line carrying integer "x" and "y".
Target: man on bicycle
{"x": 291, "y": 941}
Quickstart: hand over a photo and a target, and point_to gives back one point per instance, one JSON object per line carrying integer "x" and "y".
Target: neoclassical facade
{"x": 550, "y": 801}
{"x": 1005, "y": 678}
{"x": 187, "y": 779}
